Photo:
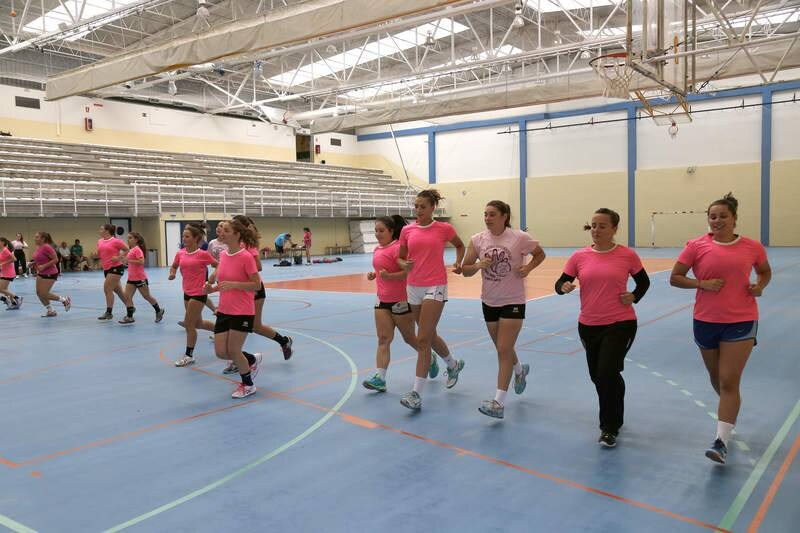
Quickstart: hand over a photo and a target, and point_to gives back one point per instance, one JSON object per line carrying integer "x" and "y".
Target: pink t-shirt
{"x": 385, "y": 258}
{"x": 501, "y": 284}
{"x": 193, "y": 270}
{"x": 108, "y": 249}
{"x": 603, "y": 277}
{"x": 236, "y": 267}
{"x": 42, "y": 255}
{"x": 136, "y": 270}
{"x": 426, "y": 246}
{"x": 7, "y": 270}
{"x": 732, "y": 262}
{"x": 307, "y": 239}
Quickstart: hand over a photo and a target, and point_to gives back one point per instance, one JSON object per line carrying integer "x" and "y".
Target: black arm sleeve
{"x": 642, "y": 284}
{"x": 564, "y": 278}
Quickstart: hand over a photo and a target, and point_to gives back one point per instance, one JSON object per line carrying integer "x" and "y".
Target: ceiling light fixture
{"x": 430, "y": 42}
{"x": 518, "y": 21}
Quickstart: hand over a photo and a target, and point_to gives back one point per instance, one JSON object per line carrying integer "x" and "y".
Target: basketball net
{"x": 614, "y": 72}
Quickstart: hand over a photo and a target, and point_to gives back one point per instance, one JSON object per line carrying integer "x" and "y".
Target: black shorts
{"x": 48, "y": 276}
{"x": 279, "y": 249}
{"x": 225, "y": 323}
{"x": 8, "y": 279}
{"x": 139, "y": 283}
{"x": 117, "y": 271}
{"x": 261, "y": 293}
{"x": 200, "y": 298}
{"x": 396, "y": 308}
{"x": 494, "y": 314}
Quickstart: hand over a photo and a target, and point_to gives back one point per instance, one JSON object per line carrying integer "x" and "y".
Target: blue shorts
{"x": 708, "y": 335}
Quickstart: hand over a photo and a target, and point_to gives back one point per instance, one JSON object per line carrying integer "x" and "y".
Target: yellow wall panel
{"x": 785, "y": 204}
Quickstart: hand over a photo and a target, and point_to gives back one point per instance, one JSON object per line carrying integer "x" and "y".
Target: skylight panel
{"x": 58, "y": 16}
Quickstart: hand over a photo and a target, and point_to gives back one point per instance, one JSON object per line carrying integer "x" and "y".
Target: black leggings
{"x": 20, "y": 264}
{"x": 606, "y": 347}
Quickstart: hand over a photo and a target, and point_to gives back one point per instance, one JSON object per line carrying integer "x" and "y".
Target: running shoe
{"x": 127, "y": 320}
{"x": 607, "y": 439}
{"x": 181, "y": 324}
{"x": 452, "y": 373}
{"x": 67, "y": 301}
{"x": 230, "y": 369}
{"x": 492, "y": 408}
{"x": 50, "y": 313}
{"x": 186, "y": 360}
{"x": 717, "y": 452}
{"x": 105, "y": 316}
{"x": 16, "y": 305}
{"x": 411, "y": 400}
{"x": 520, "y": 380}
{"x": 255, "y": 367}
{"x": 376, "y": 383}
{"x": 242, "y": 391}
{"x": 287, "y": 349}
{"x": 159, "y": 315}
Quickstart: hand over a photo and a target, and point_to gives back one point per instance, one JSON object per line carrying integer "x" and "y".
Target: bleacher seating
{"x": 50, "y": 178}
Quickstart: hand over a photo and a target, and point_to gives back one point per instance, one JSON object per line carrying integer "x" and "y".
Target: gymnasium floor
{"x": 102, "y": 433}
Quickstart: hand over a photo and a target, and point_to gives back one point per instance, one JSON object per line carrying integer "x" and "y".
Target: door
{"x": 173, "y": 232}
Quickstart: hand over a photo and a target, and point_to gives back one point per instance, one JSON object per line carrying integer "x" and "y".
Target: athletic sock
{"x": 500, "y": 396}
{"x": 108, "y": 310}
{"x": 450, "y": 360}
{"x": 247, "y": 379}
{"x": 189, "y": 351}
{"x": 382, "y": 373}
{"x": 419, "y": 385}
{"x": 49, "y": 308}
{"x": 156, "y": 308}
{"x": 130, "y": 311}
{"x": 251, "y": 359}
{"x": 724, "y": 431}
{"x": 280, "y": 339}
{"x": 518, "y": 369}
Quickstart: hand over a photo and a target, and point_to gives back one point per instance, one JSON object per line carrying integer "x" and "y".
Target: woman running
{"x": 216, "y": 246}
{"x": 193, "y": 264}
{"x": 111, "y": 251}
{"x": 725, "y": 309}
{"x": 236, "y": 278}
{"x": 391, "y": 309}
{"x": 137, "y": 278}
{"x": 499, "y": 253}
{"x": 7, "y": 275}
{"x": 19, "y": 246}
{"x": 421, "y": 256}
{"x": 285, "y": 342}
{"x": 607, "y": 321}
{"x": 45, "y": 260}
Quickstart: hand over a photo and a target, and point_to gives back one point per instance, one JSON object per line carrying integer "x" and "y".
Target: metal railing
{"x": 64, "y": 197}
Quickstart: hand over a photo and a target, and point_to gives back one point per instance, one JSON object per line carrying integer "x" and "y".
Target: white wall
{"x": 323, "y": 140}
{"x": 580, "y": 149}
{"x": 476, "y": 154}
{"x": 716, "y": 138}
{"x": 785, "y": 127}
{"x": 137, "y": 118}
{"x": 414, "y": 150}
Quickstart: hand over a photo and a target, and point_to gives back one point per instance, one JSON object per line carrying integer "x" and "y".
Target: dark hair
{"x": 432, "y": 195}
{"x": 6, "y": 242}
{"x": 247, "y": 232}
{"x": 21, "y": 238}
{"x": 77, "y": 241}
{"x": 110, "y": 228}
{"x": 197, "y": 229}
{"x": 306, "y": 229}
{"x": 139, "y": 239}
{"x": 729, "y": 201}
{"x": 504, "y": 209}
{"x": 613, "y": 215}
{"x": 45, "y": 237}
{"x": 394, "y": 224}
{"x": 248, "y": 222}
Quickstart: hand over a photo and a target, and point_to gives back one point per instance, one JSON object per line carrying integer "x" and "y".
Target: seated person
{"x": 63, "y": 256}
{"x": 76, "y": 255}
{"x": 283, "y": 241}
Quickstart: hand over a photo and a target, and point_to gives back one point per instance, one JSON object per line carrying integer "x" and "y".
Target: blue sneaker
{"x": 452, "y": 374}
{"x": 433, "y": 371}
{"x": 520, "y": 381}
{"x": 492, "y": 408}
{"x": 717, "y": 452}
{"x": 376, "y": 383}
{"x": 411, "y": 400}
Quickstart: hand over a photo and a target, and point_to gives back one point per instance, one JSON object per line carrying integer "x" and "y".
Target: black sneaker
{"x": 105, "y": 316}
{"x": 607, "y": 440}
{"x": 717, "y": 452}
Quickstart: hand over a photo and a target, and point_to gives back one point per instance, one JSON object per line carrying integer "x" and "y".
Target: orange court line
{"x": 773, "y": 488}
{"x": 539, "y": 283}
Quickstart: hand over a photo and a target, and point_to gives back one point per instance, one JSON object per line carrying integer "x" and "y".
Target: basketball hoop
{"x": 615, "y": 74}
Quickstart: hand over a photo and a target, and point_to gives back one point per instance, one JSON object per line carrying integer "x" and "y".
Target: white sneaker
{"x": 67, "y": 301}
{"x": 50, "y": 313}
{"x": 254, "y": 368}
{"x": 243, "y": 391}
{"x": 186, "y": 360}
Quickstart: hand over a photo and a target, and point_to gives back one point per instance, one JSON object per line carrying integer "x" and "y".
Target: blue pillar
{"x": 431, "y": 157}
{"x": 766, "y": 160}
{"x": 632, "y": 176}
{"x": 523, "y": 173}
